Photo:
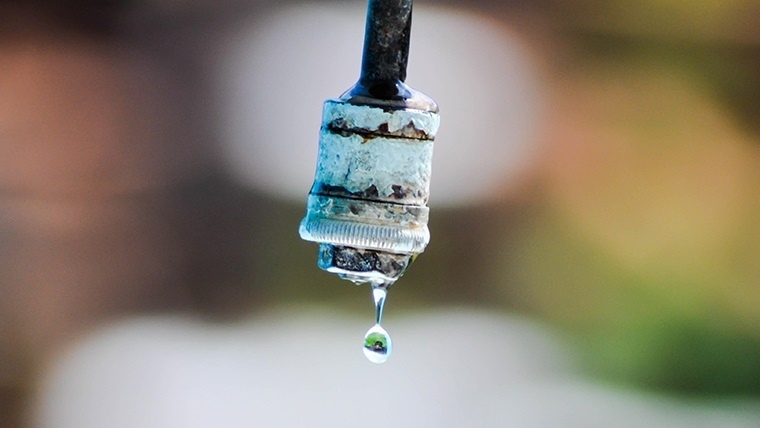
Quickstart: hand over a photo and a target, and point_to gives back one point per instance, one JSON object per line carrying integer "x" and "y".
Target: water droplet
{"x": 377, "y": 341}
{"x": 377, "y": 345}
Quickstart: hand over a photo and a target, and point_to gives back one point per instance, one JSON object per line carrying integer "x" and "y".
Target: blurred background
{"x": 596, "y": 176}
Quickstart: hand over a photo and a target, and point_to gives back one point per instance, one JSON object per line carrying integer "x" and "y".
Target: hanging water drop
{"x": 377, "y": 345}
{"x": 377, "y": 341}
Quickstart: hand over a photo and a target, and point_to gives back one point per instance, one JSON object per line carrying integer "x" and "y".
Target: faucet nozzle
{"x": 368, "y": 207}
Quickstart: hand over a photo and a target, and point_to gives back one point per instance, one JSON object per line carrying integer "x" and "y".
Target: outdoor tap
{"x": 367, "y": 208}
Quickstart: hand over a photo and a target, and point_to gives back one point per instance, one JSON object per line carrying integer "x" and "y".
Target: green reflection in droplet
{"x": 377, "y": 345}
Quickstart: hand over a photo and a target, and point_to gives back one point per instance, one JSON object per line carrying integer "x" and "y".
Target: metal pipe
{"x": 386, "y": 46}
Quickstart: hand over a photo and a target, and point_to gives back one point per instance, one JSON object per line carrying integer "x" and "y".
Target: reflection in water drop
{"x": 377, "y": 345}
{"x": 377, "y": 342}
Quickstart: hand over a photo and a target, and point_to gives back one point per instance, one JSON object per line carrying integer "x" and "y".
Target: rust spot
{"x": 322, "y": 189}
{"x": 398, "y": 192}
{"x": 408, "y": 132}
{"x": 371, "y": 192}
{"x": 412, "y": 132}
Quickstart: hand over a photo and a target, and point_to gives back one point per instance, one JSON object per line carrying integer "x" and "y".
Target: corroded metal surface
{"x": 362, "y": 265}
{"x": 339, "y": 116}
{"x": 372, "y": 181}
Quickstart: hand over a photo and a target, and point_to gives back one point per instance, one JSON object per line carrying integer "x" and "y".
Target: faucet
{"x": 367, "y": 208}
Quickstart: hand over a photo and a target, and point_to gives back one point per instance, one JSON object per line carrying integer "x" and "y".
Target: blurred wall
{"x": 634, "y": 229}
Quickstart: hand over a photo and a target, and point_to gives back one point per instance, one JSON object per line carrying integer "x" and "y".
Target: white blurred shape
{"x": 297, "y": 368}
{"x": 287, "y": 370}
{"x": 278, "y": 70}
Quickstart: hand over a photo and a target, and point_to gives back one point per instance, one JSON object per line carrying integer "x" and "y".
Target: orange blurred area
{"x": 599, "y": 175}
